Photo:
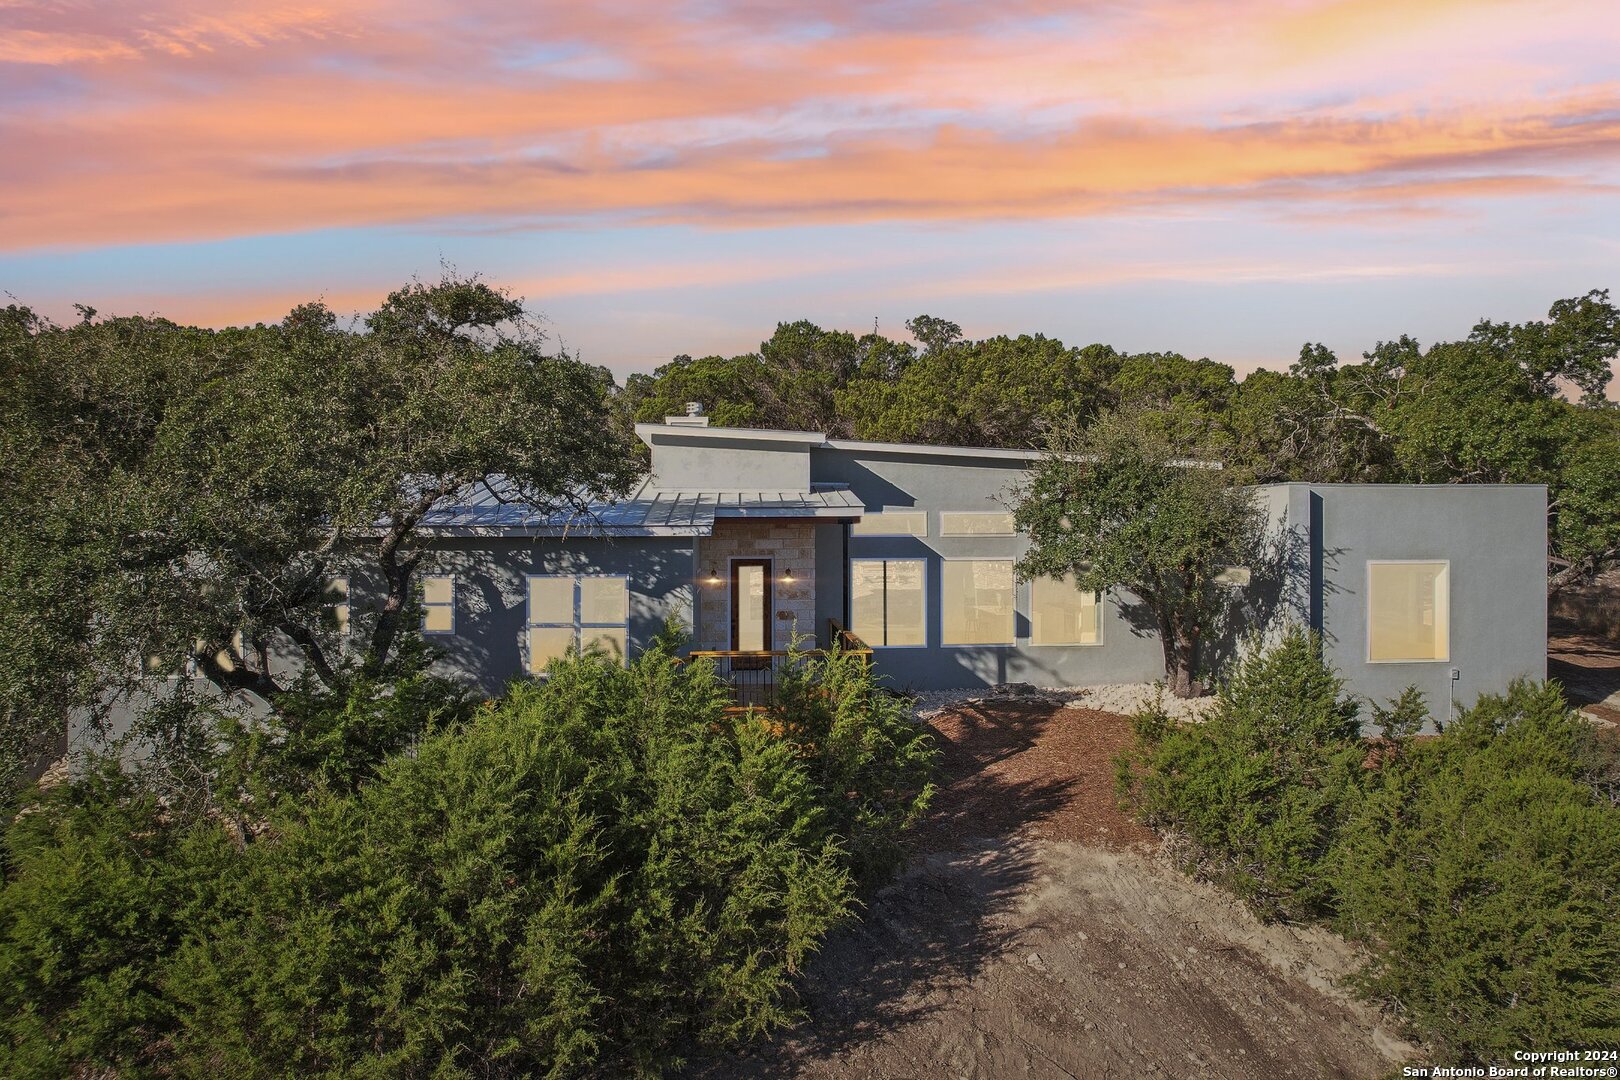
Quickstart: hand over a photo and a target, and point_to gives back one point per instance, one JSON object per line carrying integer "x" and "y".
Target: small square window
{"x": 888, "y": 603}
{"x": 1408, "y": 611}
{"x": 976, "y": 602}
{"x": 1060, "y": 613}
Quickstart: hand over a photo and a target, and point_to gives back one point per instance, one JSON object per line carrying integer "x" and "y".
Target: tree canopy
{"x": 1507, "y": 403}
{"x": 1121, "y": 505}
{"x": 173, "y": 497}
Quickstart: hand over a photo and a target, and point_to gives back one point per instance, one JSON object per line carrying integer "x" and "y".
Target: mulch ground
{"x": 1030, "y": 770}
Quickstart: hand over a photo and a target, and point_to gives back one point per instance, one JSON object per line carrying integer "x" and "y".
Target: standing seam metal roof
{"x": 648, "y": 512}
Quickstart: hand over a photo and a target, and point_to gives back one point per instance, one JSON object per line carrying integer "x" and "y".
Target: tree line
{"x": 1507, "y": 403}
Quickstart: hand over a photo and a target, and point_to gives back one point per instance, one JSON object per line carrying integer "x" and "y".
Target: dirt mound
{"x": 1038, "y": 934}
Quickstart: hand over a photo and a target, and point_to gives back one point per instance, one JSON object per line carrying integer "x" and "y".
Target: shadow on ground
{"x": 941, "y": 920}
{"x": 1588, "y": 666}
{"x": 1033, "y": 934}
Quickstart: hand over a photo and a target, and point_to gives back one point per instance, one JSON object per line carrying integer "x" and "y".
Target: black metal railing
{"x": 753, "y": 675}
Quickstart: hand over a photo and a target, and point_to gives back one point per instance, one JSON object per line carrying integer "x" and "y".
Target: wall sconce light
{"x": 712, "y": 576}
{"x": 787, "y": 575}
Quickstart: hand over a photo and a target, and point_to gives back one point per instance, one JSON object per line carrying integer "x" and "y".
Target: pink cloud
{"x": 239, "y": 118}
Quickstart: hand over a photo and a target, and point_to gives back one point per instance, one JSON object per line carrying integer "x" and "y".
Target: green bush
{"x": 1481, "y": 865}
{"x": 592, "y": 874}
{"x": 1487, "y": 878}
{"x": 1257, "y": 790}
{"x": 870, "y": 762}
{"x": 101, "y": 887}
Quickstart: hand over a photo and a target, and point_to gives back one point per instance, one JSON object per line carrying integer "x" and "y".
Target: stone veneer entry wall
{"x": 790, "y": 545}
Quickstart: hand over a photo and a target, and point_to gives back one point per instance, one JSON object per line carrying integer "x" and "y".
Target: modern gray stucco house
{"x": 752, "y": 539}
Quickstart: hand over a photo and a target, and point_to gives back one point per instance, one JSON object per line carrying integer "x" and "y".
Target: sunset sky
{"x": 1224, "y": 179}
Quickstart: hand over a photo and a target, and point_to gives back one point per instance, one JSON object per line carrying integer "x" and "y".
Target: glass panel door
{"x": 751, "y": 605}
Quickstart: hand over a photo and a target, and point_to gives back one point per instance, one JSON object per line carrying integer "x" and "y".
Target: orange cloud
{"x": 356, "y": 112}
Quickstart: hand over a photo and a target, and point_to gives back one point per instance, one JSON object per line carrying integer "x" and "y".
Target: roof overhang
{"x": 990, "y": 453}
{"x": 649, "y": 512}
{"x": 691, "y": 432}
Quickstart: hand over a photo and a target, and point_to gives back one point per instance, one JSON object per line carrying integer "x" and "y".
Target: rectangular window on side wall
{"x": 888, "y": 605}
{"x": 576, "y": 612}
{"x": 892, "y": 523}
{"x": 976, "y": 602}
{"x": 604, "y": 615}
{"x": 1408, "y": 611}
{"x": 335, "y": 602}
{"x": 438, "y": 604}
{"x": 975, "y": 523}
{"x": 1060, "y": 613}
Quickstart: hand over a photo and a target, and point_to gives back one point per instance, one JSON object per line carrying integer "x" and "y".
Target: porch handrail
{"x": 753, "y": 652}
{"x": 847, "y": 639}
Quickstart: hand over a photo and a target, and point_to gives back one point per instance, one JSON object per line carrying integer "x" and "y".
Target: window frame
{"x": 887, "y": 511}
{"x": 330, "y": 600}
{"x": 454, "y": 582}
{"x": 1367, "y": 608}
{"x": 576, "y": 624}
{"x": 850, "y": 571}
{"x": 1012, "y": 641}
{"x": 1012, "y": 526}
{"x": 1102, "y": 610}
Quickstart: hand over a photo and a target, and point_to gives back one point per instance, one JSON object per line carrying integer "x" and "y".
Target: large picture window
{"x": 976, "y": 602}
{"x": 1408, "y": 611}
{"x": 565, "y": 611}
{"x": 1060, "y": 613}
{"x": 887, "y": 603}
{"x": 892, "y": 523}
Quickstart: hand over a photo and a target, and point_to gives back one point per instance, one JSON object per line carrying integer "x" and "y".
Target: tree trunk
{"x": 1181, "y": 654}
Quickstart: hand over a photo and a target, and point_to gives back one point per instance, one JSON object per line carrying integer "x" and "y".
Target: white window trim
{"x": 1368, "y": 614}
{"x": 1011, "y": 532}
{"x": 1029, "y": 642}
{"x": 454, "y": 588}
{"x": 576, "y": 622}
{"x": 925, "y": 610}
{"x": 878, "y": 516}
{"x": 1013, "y": 644}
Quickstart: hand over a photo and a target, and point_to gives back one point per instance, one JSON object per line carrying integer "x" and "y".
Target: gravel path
{"x": 1120, "y": 698}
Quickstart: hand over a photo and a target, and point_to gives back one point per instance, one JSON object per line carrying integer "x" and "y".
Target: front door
{"x": 750, "y": 610}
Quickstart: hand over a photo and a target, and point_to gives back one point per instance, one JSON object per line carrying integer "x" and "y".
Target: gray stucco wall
{"x": 1322, "y": 536}
{"x": 1312, "y": 571}
{"x": 1495, "y": 539}
{"x": 1129, "y": 652}
{"x": 488, "y": 646}
{"x": 698, "y": 463}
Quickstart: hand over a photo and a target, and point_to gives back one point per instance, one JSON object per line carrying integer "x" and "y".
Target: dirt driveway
{"x": 1589, "y": 667}
{"x": 1036, "y": 934}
